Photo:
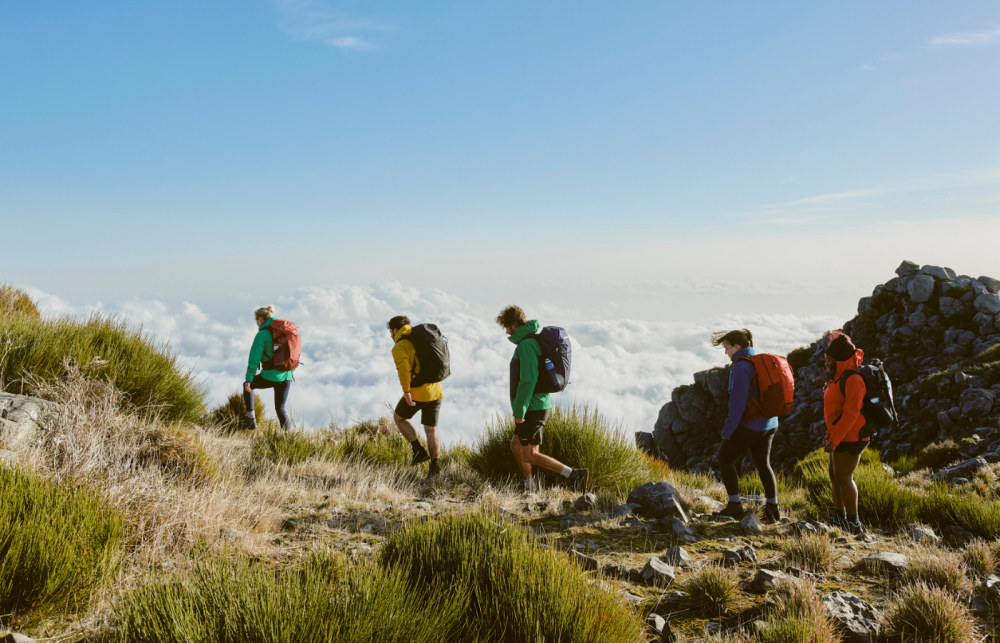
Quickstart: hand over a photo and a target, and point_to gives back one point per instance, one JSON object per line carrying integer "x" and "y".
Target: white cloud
{"x": 966, "y": 38}
{"x": 311, "y": 20}
{"x": 626, "y": 368}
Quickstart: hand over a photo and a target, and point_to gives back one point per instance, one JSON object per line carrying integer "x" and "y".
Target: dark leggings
{"x": 733, "y": 450}
{"x": 280, "y": 397}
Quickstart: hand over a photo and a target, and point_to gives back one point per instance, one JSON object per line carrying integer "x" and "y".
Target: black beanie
{"x": 841, "y": 348}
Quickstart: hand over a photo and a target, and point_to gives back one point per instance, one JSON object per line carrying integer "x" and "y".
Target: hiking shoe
{"x": 246, "y": 424}
{"x": 854, "y": 528}
{"x": 434, "y": 469}
{"x": 579, "y": 479}
{"x": 771, "y": 515}
{"x": 420, "y": 455}
{"x": 732, "y": 510}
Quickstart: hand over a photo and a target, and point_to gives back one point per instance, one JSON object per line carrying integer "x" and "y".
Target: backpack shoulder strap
{"x": 843, "y": 380}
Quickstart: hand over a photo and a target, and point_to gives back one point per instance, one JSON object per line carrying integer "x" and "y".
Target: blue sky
{"x": 214, "y": 151}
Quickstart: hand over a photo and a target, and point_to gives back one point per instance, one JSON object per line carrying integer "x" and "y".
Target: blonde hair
{"x": 264, "y": 312}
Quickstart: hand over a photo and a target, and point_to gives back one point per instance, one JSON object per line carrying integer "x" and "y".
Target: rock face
{"x": 857, "y": 620}
{"x": 929, "y": 327}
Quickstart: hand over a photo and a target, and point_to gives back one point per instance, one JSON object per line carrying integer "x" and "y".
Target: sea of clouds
{"x": 625, "y": 368}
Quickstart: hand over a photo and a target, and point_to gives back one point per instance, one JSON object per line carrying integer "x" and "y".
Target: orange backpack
{"x": 287, "y": 346}
{"x": 773, "y": 377}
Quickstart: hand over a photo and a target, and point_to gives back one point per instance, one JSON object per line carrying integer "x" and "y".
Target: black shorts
{"x": 428, "y": 411}
{"x": 530, "y": 431}
{"x": 854, "y": 448}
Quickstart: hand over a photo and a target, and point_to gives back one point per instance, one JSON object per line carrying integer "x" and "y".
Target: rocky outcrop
{"x": 23, "y": 419}
{"x": 930, "y": 327}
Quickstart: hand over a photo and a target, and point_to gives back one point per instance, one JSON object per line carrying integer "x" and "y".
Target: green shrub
{"x": 936, "y": 569}
{"x": 241, "y": 601}
{"x": 16, "y": 302}
{"x": 711, "y": 590}
{"x": 797, "y": 616}
{"x": 577, "y": 438}
{"x": 943, "y": 506}
{"x": 980, "y": 557}
{"x": 104, "y": 347}
{"x": 812, "y": 552}
{"x": 991, "y": 354}
{"x": 922, "y": 614}
{"x": 904, "y": 464}
{"x": 57, "y": 543}
{"x": 937, "y": 455}
{"x": 227, "y": 415}
{"x": 800, "y": 357}
{"x": 293, "y": 446}
{"x": 514, "y": 589}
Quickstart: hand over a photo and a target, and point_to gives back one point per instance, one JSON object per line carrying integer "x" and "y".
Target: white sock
{"x": 772, "y": 501}
{"x": 566, "y": 471}
{"x": 735, "y": 498}
{"x": 250, "y": 415}
{"x": 529, "y": 484}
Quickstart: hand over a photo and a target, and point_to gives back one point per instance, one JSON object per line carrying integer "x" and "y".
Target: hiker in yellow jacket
{"x": 425, "y": 398}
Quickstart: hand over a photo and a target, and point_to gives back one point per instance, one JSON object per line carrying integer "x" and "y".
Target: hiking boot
{"x": 434, "y": 469}
{"x": 420, "y": 455}
{"x": 246, "y": 424}
{"x": 578, "y": 480}
{"x": 854, "y": 528}
{"x": 732, "y": 510}
{"x": 771, "y": 514}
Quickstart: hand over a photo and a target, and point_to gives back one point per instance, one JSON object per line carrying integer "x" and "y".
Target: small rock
{"x": 884, "y": 562}
{"x": 988, "y": 303}
{"x": 634, "y": 576}
{"x": 675, "y": 596}
{"x": 567, "y": 524}
{"x": 589, "y": 564}
{"x": 657, "y": 573}
{"x": 804, "y": 527}
{"x": 584, "y": 502}
{"x": 957, "y": 536}
{"x": 611, "y": 570}
{"x": 752, "y": 524}
{"x": 711, "y": 503}
{"x": 921, "y": 288}
{"x": 631, "y": 598}
{"x": 942, "y": 274}
{"x": 288, "y": 524}
{"x": 856, "y": 619}
{"x": 367, "y": 529}
{"x": 765, "y": 579}
{"x": 425, "y": 506}
{"x": 907, "y": 269}
{"x": 923, "y": 534}
{"x": 801, "y": 573}
{"x": 679, "y": 557}
{"x": 677, "y": 526}
{"x": 712, "y": 628}
{"x": 735, "y": 556}
{"x": 621, "y": 510}
{"x": 660, "y": 628}
{"x": 634, "y": 522}
{"x": 17, "y": 638}
{"x": 657, "y": 500}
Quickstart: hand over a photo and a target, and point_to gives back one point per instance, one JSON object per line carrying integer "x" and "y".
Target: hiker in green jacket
{"x": 531, "y": 409}
{"x": 262, "y": 350}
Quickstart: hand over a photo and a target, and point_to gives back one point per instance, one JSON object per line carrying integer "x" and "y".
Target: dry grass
{"x": 812, "y": 552}
{"x": 14, "y": 301}
{"x": 711, "y": 590}
{"x": 923, "y": 614}
{"x": 936, "y": 568}
{"x": 797, "y": 616}
{"x": 980, "y": 558}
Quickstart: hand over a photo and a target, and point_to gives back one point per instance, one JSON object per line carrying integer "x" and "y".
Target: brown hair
{"x": 512, "y": 317}
{"x": 742, "y": 338}
{"x": 264, "y": 312}
{"x": 397, "y": 322}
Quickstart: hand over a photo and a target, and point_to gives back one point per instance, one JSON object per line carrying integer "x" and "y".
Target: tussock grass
{"x": 937, "y": 455}
{"x": 103, "y": 347}
{"x": 980, "y": 558}
{"x": 812, "y": 552}
{"x": 711, "y": 590}
{"x": 576, "y": 437}
{"x": 58, "y": 542}
{"x": 936, "y": 568}
{"x": 227, "y": 415}
{"x": 237, "y": 601}
{"x": 513, "y": 589}
{"x": 919, "y": 613}
{"x": 797, "y": 617}
{"x": 295, "y": 445}
{"x": 16, "y": 302}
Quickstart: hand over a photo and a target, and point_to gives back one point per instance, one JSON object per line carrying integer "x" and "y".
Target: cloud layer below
{"x": 625, "y": 368}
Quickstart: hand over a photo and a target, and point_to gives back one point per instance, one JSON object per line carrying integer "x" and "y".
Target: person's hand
{"x": 246, "y": 387}
{"x": 829, "y": 448}
{"x": 409, "y": 400}
{"x": 518, "y": 420}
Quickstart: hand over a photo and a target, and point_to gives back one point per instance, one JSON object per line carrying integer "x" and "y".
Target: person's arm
{"x": 404, "y": 362}
{"x": 739, "y": 392}
{"x": 256, "y": 353}
{"x": 528, "y": 352}
{"x": 854, "y": 394}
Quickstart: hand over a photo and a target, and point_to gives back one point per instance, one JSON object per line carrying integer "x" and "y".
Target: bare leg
{"x": 433, "y": 442}
{"x": 838, "y": 501}
{"x": 405, "y": 427}
{"x": 845, "y": 464}
{"x": 532, "y": 456}
{"x": 522, "y": 464}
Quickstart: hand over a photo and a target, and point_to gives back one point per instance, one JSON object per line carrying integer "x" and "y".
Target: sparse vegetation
{"x": 58, "y": 542}
{"x": 579, "y": 438}
{"x": 16, "y": 302}
{"x": 919, "y": 613}
{"x": 979, "y": 557}
{"x": 812, "y": 552}
{"x": 227, "y": 415}
{"x": 936, "y": 568}
{"x": 711, "y": 590}
{"x": 797, "y": 616}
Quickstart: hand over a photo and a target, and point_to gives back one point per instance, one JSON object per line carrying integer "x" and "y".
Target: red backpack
{"x": 287, "y": 346}
{"x": 773, "y": 377}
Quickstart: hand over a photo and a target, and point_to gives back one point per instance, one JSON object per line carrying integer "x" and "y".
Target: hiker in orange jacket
{"x": 842, "y": 410}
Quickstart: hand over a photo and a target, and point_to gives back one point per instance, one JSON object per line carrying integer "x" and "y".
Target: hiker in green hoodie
{"x": 531, "y": 409}
{"x": 261, "y": 352}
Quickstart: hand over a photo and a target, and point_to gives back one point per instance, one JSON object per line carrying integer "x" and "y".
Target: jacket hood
{"x": 403, "y": 332}
{"x": 849, "y": 364}
{"x": 267, "y": 322}
{"x": 744, "y": 352}
{"x": 530, "y": 328}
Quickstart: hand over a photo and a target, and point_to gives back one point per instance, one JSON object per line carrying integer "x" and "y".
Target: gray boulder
{"x": 923, "y": 534}
{"x": 16, "y": 638}
{"x": 976, "y": 403}
{"x": 586, "y": 501}
{"x": 988, "y": 303}
{"x": 611, "y": 570}
{"x": 751, "y": 524}
{"x": 765, "y": 579}
{"x": 678, "y": 557}
{"x": 23, "y": 419}
{"x": 623, "y": 510}
{"x": 589, "y": 564}
{"x": 957, "y": 536}
{"x": 921, "y": 288}
{"x": 992, "y": 285}
{"x": 857, "y": 620}
{"x": 907, "y": 269}
{"x": 884, "y": 562}
{"x": 737, "y": 556}
{"x": 657, "y": 500}
{"x": 657, "y": 573}
{"x": 660, "y": 629}
{"x": 938, "y": 272}
{"x": 961, "y": 470}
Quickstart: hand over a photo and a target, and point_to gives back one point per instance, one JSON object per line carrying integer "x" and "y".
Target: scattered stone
{"x": 988, "y": 303}
{"x": 612, "y": 570}
{"x": 907, "y": 269}
{"x": 923, "y": 534}
{"x": 712, "y": 628}
{"x": 991, "y": 284}
{"x": 634, "y": 522}
{"x": 660, "y": 628}
{"x": 857, "y": 620}
{"x": 976, "y": 402}
{"x": 567, "y": 524}
{"x": 752, "y": 524}
{"x": 622, "y": 510}
{"x": 735, "y": 556}
{"x": 634, "y": 576}
{"x": 657, "y": 573}
{"x": 957, "y": 536}
{"x": 991, "y": 588}
{"x": 586, "y": 562}
{"x": 921, "y": 288}
{"x": 719, "y": 519}
{"x": 675, "y": 596}
{"x": 631, "y": 598}
{"x": 943, "y": 274}
{"x": 425, "y": 506}
{"x": 765, "y": 579}
{"x": 16, "y": 638}
{"x": 288, "y": 525}
{"x": 368, "y": 529}
{"x": 657, "y": 500}
{"x": 585, "y": 502}
{"x": 884, "y": 562}
{"x": 801, "y": 573}
{"x": 711, "y": 503}
{"x": 962, "y": 470}
{"x": 804, "y": 527}
{"x": 679, "y": 557}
